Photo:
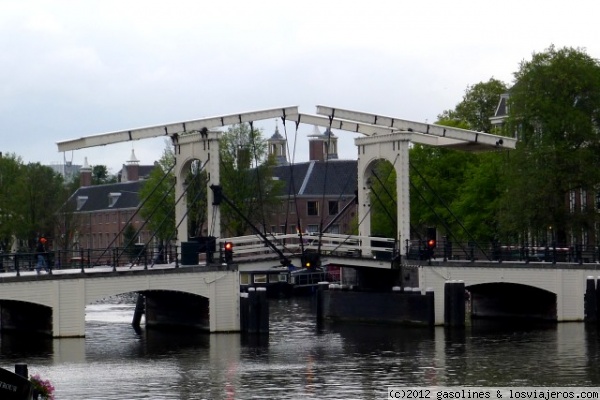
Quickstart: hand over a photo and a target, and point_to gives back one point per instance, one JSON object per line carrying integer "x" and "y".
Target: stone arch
{"x": 202, "y": 146}
{"x": 372, "y": 180}
{"x": 192, "y": 286}
{"x": 512, "y": 300}
{"x": 394, "y": 149}
{"x": 25, "y": 316}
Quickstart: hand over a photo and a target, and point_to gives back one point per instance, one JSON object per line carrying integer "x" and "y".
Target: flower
{"x": 44, "y": 388}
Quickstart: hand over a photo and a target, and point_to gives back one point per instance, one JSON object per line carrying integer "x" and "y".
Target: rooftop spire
{"x": 132, "y": 158}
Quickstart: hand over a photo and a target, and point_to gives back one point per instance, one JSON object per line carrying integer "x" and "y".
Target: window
{"x": 312, "y": 228}
{"x": 291, "y": 207}
{"x": 81, "y": 201}
{"x": 274, "y": 278}
{"x": 572, "y": 201}
{"x": 262, "y": 278}
{"x": 112, "y": 198}
{"x": 312, "y": 207}
{"x": 333, "y": 208}
{"x": 583, "y": 199}
{"x": 335, "y": 229}
{"x": 244, "y": 279}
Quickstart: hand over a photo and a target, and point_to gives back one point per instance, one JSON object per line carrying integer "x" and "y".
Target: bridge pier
{"x": 405, "y": 307}
{"x": 454, "y": 304}
{"x": 592, "y": 299}
{"x": 254, "y": 311}
{"x": 140, "y": 309}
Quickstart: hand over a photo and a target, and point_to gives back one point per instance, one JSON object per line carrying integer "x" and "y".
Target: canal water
{"x": 297, "y": 361}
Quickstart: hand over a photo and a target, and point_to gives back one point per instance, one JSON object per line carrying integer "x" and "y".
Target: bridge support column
{"x": 454, "y": 304}
{"x": 256, "y": 311}
{"x": 370, "y": 150}
{"x": 205, "y": 149}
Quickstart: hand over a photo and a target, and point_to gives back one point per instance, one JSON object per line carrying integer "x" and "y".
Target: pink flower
{"x": 43, "y": 387}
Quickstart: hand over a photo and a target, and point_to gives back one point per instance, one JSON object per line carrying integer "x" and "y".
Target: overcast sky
{"x": 77, "y": 68}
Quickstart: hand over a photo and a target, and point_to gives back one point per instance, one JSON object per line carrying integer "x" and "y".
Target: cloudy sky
{"x": 77, "y": 68}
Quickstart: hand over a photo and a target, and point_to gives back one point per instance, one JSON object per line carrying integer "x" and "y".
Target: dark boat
{"x": 14, "y": 387}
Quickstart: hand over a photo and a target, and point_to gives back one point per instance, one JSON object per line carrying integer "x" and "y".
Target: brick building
{"x": 102, "y": 211}
{"x": 317, "y": 190}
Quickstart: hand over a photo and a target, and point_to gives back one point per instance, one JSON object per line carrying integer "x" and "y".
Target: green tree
{"x": 100, "y": 175}
{"x": 129, "y": 241}
{"x": 246, "y": 178}
{"x": 196, "y": 182}
{"x": 457, "y": 191}
{"x": 477, "y": 106}
{"x": 555, "y": 111}
{"x": 384, "y": 219}
{"x": 436, "y": 176}
{"x": 10, "y": 217}
{"x": 40, "y": 197}
{"x": 159, "y": 200}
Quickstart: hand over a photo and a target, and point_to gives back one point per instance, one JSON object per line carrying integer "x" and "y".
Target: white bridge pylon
{"x": 383, "y": 137}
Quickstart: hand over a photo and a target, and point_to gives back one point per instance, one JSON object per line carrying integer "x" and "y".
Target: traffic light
{"x": 217, "y": 194}
{"x": 228, "y": 252}
{"x": 310, "y": 260}
{"x": 306, "y": 262}
{"x": 431, "y": 241}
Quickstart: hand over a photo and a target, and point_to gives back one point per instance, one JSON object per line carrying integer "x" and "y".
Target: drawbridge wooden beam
{"x": 175, "y": 128}
{"x": 431, "y": 134}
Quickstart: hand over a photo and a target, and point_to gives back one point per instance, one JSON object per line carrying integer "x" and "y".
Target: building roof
{"x": 276, "y": 135}
{"x": 112, "y": 196}
{"x": 337, "y": 177}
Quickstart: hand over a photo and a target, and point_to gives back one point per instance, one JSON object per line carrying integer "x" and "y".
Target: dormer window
{"x": 81, "y": 201}
{"x": 112, "y": 198}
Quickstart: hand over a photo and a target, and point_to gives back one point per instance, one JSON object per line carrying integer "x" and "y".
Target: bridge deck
{"x": 107, "y": 270}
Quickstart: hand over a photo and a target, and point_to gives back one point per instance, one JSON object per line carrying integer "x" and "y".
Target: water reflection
{"x": 296, "y": 360}
{"x": 22, "y": 345}
{"x": 592, "y": 339}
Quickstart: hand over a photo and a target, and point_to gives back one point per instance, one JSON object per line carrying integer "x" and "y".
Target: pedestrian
{"x": 41, "y": 252}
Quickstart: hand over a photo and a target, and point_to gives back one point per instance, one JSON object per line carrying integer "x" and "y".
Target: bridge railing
{"x": 327, "y": 243}
{"x": 506, "y": 252}
{"x": 87, "y": 258}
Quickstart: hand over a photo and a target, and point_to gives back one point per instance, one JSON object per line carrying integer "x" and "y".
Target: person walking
{"x": 41, "y": 252}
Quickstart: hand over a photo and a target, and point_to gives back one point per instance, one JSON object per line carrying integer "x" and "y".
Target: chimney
{"x": 133, "y": 168}
{"x": 316, "y": 145}
{"x": 85, "y": 174}
{"x": 315, "y": 150}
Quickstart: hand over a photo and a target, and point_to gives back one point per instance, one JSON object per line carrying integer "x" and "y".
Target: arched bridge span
{"x": 66, "y": 296}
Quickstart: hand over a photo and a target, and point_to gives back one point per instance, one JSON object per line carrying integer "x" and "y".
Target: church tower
{"x": 277, "y": 147}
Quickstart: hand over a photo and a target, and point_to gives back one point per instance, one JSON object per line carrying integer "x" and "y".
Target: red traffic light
{"x": 431, "y": 243}
{"x": 228, "y": 250}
